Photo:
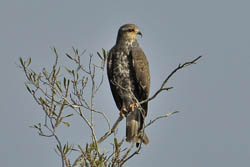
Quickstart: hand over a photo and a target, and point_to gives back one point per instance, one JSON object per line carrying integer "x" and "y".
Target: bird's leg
{"x": 133, "y": 105}
{"x": 123, "y": 111}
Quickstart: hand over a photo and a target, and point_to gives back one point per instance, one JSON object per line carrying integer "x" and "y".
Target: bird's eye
{"x": 131, "y": 30}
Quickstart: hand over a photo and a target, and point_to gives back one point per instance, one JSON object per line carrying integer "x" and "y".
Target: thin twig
{"x": 159, "y": 117}
{"x": 180, "y": 66}
{"x": 107, "y": 134}
{"x": 60, "y": 146}
{"x": 132, "y": 155}
{"x": 123, "y": 159}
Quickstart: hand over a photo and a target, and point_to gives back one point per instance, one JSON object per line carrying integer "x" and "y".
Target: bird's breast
{"x": 122, "y": 70}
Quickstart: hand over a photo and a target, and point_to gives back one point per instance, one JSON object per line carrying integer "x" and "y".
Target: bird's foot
{"x": 133, "y": 106}
{"x": 123, "y": 112}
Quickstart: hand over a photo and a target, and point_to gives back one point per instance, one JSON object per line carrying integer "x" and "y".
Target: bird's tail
{"x": 134, "y": 123}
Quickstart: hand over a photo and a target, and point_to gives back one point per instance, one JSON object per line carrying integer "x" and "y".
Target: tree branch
{"x": 107, "y": 134}
{"x": 162, "y": 88}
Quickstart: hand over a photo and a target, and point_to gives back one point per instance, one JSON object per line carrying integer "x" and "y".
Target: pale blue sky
{"x": 213, "y": 95}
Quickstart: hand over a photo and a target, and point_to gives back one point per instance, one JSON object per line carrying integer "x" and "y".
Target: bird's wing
{"x": 135, "y": 120}
{"x": 141, "y": 68}
{"x": 110, "y": 63}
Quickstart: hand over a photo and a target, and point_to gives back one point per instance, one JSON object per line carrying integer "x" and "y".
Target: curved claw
{"x": 133, "y": 105}
{"x": 123, "y": 112}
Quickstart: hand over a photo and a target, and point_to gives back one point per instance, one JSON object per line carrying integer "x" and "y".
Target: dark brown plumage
{"x": 129, "y": 78}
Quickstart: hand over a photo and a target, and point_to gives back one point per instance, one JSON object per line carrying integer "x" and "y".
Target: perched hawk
{"x": 129, "y": 78}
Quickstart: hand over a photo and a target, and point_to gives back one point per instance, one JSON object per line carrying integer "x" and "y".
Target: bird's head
{"x": 128, "y": 32}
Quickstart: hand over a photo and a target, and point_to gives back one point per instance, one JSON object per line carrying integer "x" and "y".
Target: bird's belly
{"x": 123, "y": 78}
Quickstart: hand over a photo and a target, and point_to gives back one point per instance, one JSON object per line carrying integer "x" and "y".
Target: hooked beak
{"x": 139, "y": 33}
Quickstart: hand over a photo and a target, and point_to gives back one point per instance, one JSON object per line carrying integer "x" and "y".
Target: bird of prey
{"x": 129, "y": 78}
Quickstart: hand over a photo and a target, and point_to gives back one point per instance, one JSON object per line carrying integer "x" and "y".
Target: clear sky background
{"x": 213, "y": 95}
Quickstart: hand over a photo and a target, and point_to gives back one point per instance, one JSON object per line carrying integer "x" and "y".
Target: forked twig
{"x": 162, "y": 88}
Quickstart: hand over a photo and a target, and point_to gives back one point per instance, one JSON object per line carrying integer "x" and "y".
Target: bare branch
{"x": 123, "y": 160}
{"x": 162, "y": 88}
{"x": 132, "y": 155}
{"x": 107, "y": 134}
{"x": 159, "y": 117}
{"x": 60, "y": 146}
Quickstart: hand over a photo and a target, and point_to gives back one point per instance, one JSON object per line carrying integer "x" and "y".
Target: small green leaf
{"x": 68, "y": 83}
{"x": 58, "y": 84}
{"x": 58, "y": 147}
{"x": 53, "y": 113}
{"x": 68, "y": 70}
{"x": 29, "y": 62}
{"x": 58, "y": 122}
{"x": 21, "y": 61}
{"x": 45, "y": 73}
{"x": 69, "y": 56}
{"x": 55, "y": 51}
{"x": 34, "y": 126}
{"x": 34, "y": 77}
{"x": 58, "y": 71}
{"x": 30, "y": 77}
{"x": 67, "y": 149}
{"x": 116, "y": 143}
{"x": 67, "y": 124}
{"x": 68, "y": 115}
{"x": 75, "y": 50}
{"x": 73, "y": 149}
{"x": 28, "y": 88}
{"x": 80, "y": 148}
{"x": 42, "y": 101}
{"x": 104, "y": 54}
{"x": 39, "y": 77}
{"x": 77, "y": 76}
{"x": 99, "y": 55}
{"x": 64, "y": 82}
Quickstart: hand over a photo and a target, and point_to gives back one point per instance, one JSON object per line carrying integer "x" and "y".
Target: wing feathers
{"x": 141, "y": 67}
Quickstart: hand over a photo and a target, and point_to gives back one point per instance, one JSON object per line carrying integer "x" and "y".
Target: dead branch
{"x": 159, "y": 117}
{"x": 107, "y": 134}
{"x": 163, "y": 88}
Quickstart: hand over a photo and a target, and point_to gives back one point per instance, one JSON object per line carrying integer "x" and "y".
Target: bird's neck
{"x": 127, "y": 42}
